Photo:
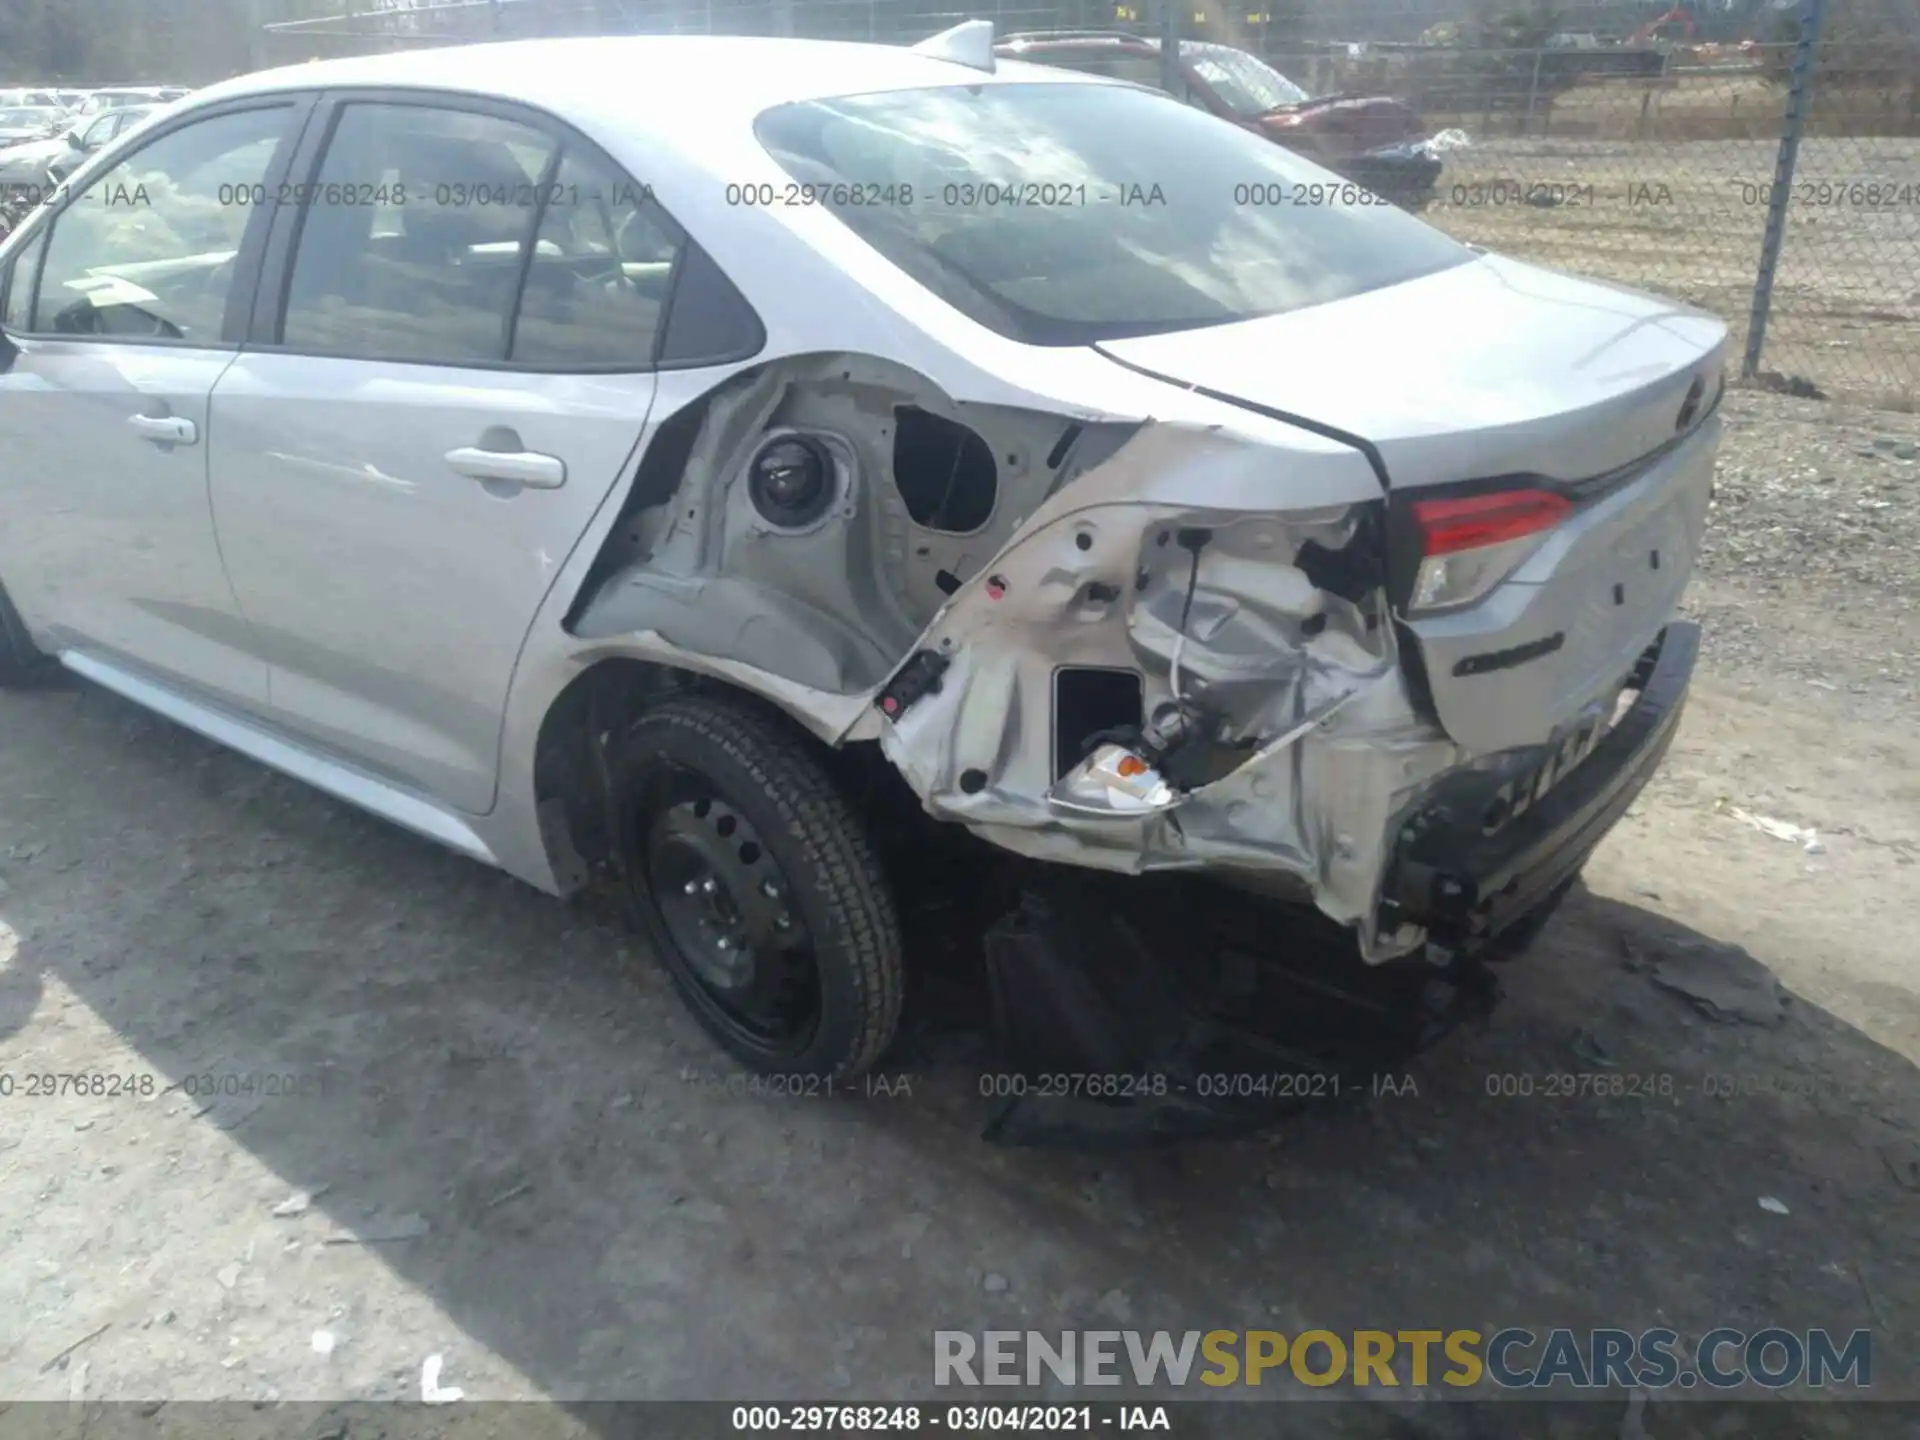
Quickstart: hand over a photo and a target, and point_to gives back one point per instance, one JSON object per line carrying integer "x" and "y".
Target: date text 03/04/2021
{"x": 957, "y": 1419}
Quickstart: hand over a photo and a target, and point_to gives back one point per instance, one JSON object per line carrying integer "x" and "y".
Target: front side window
{"x": 597, "y": 284}
{"x": 148, "y": 248}
{"x": 414, "y": 235}
{"x": 1066, "y": 214}
{"x": 101, "y": 131}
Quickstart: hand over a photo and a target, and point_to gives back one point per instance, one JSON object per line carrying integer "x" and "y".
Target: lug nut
{"x": 692, "y": 887}
{"x": 769, "y": 889}
{"x": 708, "y": 885}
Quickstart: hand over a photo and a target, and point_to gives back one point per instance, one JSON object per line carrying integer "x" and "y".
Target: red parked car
{"x": 1374, "y": 139}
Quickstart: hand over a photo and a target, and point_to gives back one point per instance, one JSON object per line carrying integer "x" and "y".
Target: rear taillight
{"x": 1470, "y": 543}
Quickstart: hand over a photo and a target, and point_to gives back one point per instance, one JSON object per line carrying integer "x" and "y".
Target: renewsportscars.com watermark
{"x": 1511, "y": 1359}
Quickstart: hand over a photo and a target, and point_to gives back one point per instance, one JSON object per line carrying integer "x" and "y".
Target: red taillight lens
{"x": 1469, "y": 544}
{"x": 1469, "y": 522}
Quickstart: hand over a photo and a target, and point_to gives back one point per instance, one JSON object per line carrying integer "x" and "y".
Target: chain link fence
{"x": 1770, "y": 173}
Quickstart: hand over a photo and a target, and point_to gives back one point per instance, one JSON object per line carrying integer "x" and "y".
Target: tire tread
{"x": 822, "y": 821}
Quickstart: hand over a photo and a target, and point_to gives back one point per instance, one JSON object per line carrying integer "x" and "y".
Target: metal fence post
{"x": 1799, "y": 95}
{"x": 783, "y": 17}
{"x": 1533, "y": 93}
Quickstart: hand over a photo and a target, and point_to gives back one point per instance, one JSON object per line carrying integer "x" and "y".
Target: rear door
{"x": 454, "y": 372}
{"x": 124, "y": 309}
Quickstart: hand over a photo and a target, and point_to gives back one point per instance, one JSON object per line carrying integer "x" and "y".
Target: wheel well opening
{"x": 571, "y": 779}
{"x": 573, "y": 760}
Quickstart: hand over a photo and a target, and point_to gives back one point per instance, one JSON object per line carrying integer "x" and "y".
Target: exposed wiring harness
{"x": 1194, "y": 541}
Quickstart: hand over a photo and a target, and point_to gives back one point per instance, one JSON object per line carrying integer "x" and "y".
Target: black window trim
{"x": 42, "y": 224}
{"x": 33, "y": 242}
{"x": 269, "y": 309}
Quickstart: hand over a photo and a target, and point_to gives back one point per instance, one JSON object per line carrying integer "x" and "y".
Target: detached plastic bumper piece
{"x": 1467, "y": 883}
{"x": 1173, "y": 1010}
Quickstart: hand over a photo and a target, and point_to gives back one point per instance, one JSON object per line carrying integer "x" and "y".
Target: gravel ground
{"x": 1811, "y": 568}
{"x": 502, "y": 1142}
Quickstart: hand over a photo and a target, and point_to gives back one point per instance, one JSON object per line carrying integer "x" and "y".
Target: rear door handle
{"x": 167, "y": 429}
{"x": 517, "y": 467}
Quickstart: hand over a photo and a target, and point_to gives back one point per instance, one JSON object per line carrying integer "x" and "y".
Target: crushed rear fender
{"x": 1306, "y": 740}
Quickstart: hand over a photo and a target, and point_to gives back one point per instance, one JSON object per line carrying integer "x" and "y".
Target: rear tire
{"x": 759, "y": 888}
{"x": 20, "y": 662}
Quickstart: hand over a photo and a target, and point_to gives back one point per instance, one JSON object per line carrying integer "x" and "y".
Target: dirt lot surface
{"x": 523, "y": 1157}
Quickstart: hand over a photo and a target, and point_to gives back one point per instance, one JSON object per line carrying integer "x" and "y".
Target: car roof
{"x": 652, "y": 80}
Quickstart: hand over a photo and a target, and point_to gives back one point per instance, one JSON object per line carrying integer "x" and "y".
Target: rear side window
{"x": 598, "y": 283}
{"x": 148, "y": 249}
{"x": 414, "y": 235}
{"x": 1066, "y": 214}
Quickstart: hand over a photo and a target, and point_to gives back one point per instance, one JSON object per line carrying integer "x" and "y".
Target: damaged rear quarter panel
{"x": 1301, "y": 679}
{"x": 818, "y": 618}
{"x": 835, "y": 603}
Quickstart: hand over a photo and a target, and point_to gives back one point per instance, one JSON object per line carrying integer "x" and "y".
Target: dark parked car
{"x": 1376, "y": 140}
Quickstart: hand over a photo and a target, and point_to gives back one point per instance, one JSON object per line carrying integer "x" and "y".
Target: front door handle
{"x": 166, "y": 429}
{"x": 515, "y": 467}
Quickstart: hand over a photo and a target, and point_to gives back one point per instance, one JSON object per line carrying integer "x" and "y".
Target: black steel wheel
{"x": 760, "y": 889}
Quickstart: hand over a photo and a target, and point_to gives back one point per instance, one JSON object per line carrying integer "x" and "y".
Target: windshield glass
{"x": 1245, "y": 83}
{"x": 1066, "y": 214}
{"x": 22, "y": 119}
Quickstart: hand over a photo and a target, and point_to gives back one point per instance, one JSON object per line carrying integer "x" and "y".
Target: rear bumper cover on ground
{"x": 1466, "y": 886}
{"x": 1403, "y": 179}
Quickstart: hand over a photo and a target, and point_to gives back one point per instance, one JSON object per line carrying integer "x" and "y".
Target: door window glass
{"x": 148, "y": 248}
{"x": 411, "y": 244}
{"x": 598, "y": 282}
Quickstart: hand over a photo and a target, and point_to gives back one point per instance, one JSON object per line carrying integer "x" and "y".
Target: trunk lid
{"x": 1487, "y": 368}
{"x": 1496, "y": 369}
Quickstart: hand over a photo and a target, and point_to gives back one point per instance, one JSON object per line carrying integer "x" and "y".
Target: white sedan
{"x": 597, "y": 455}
